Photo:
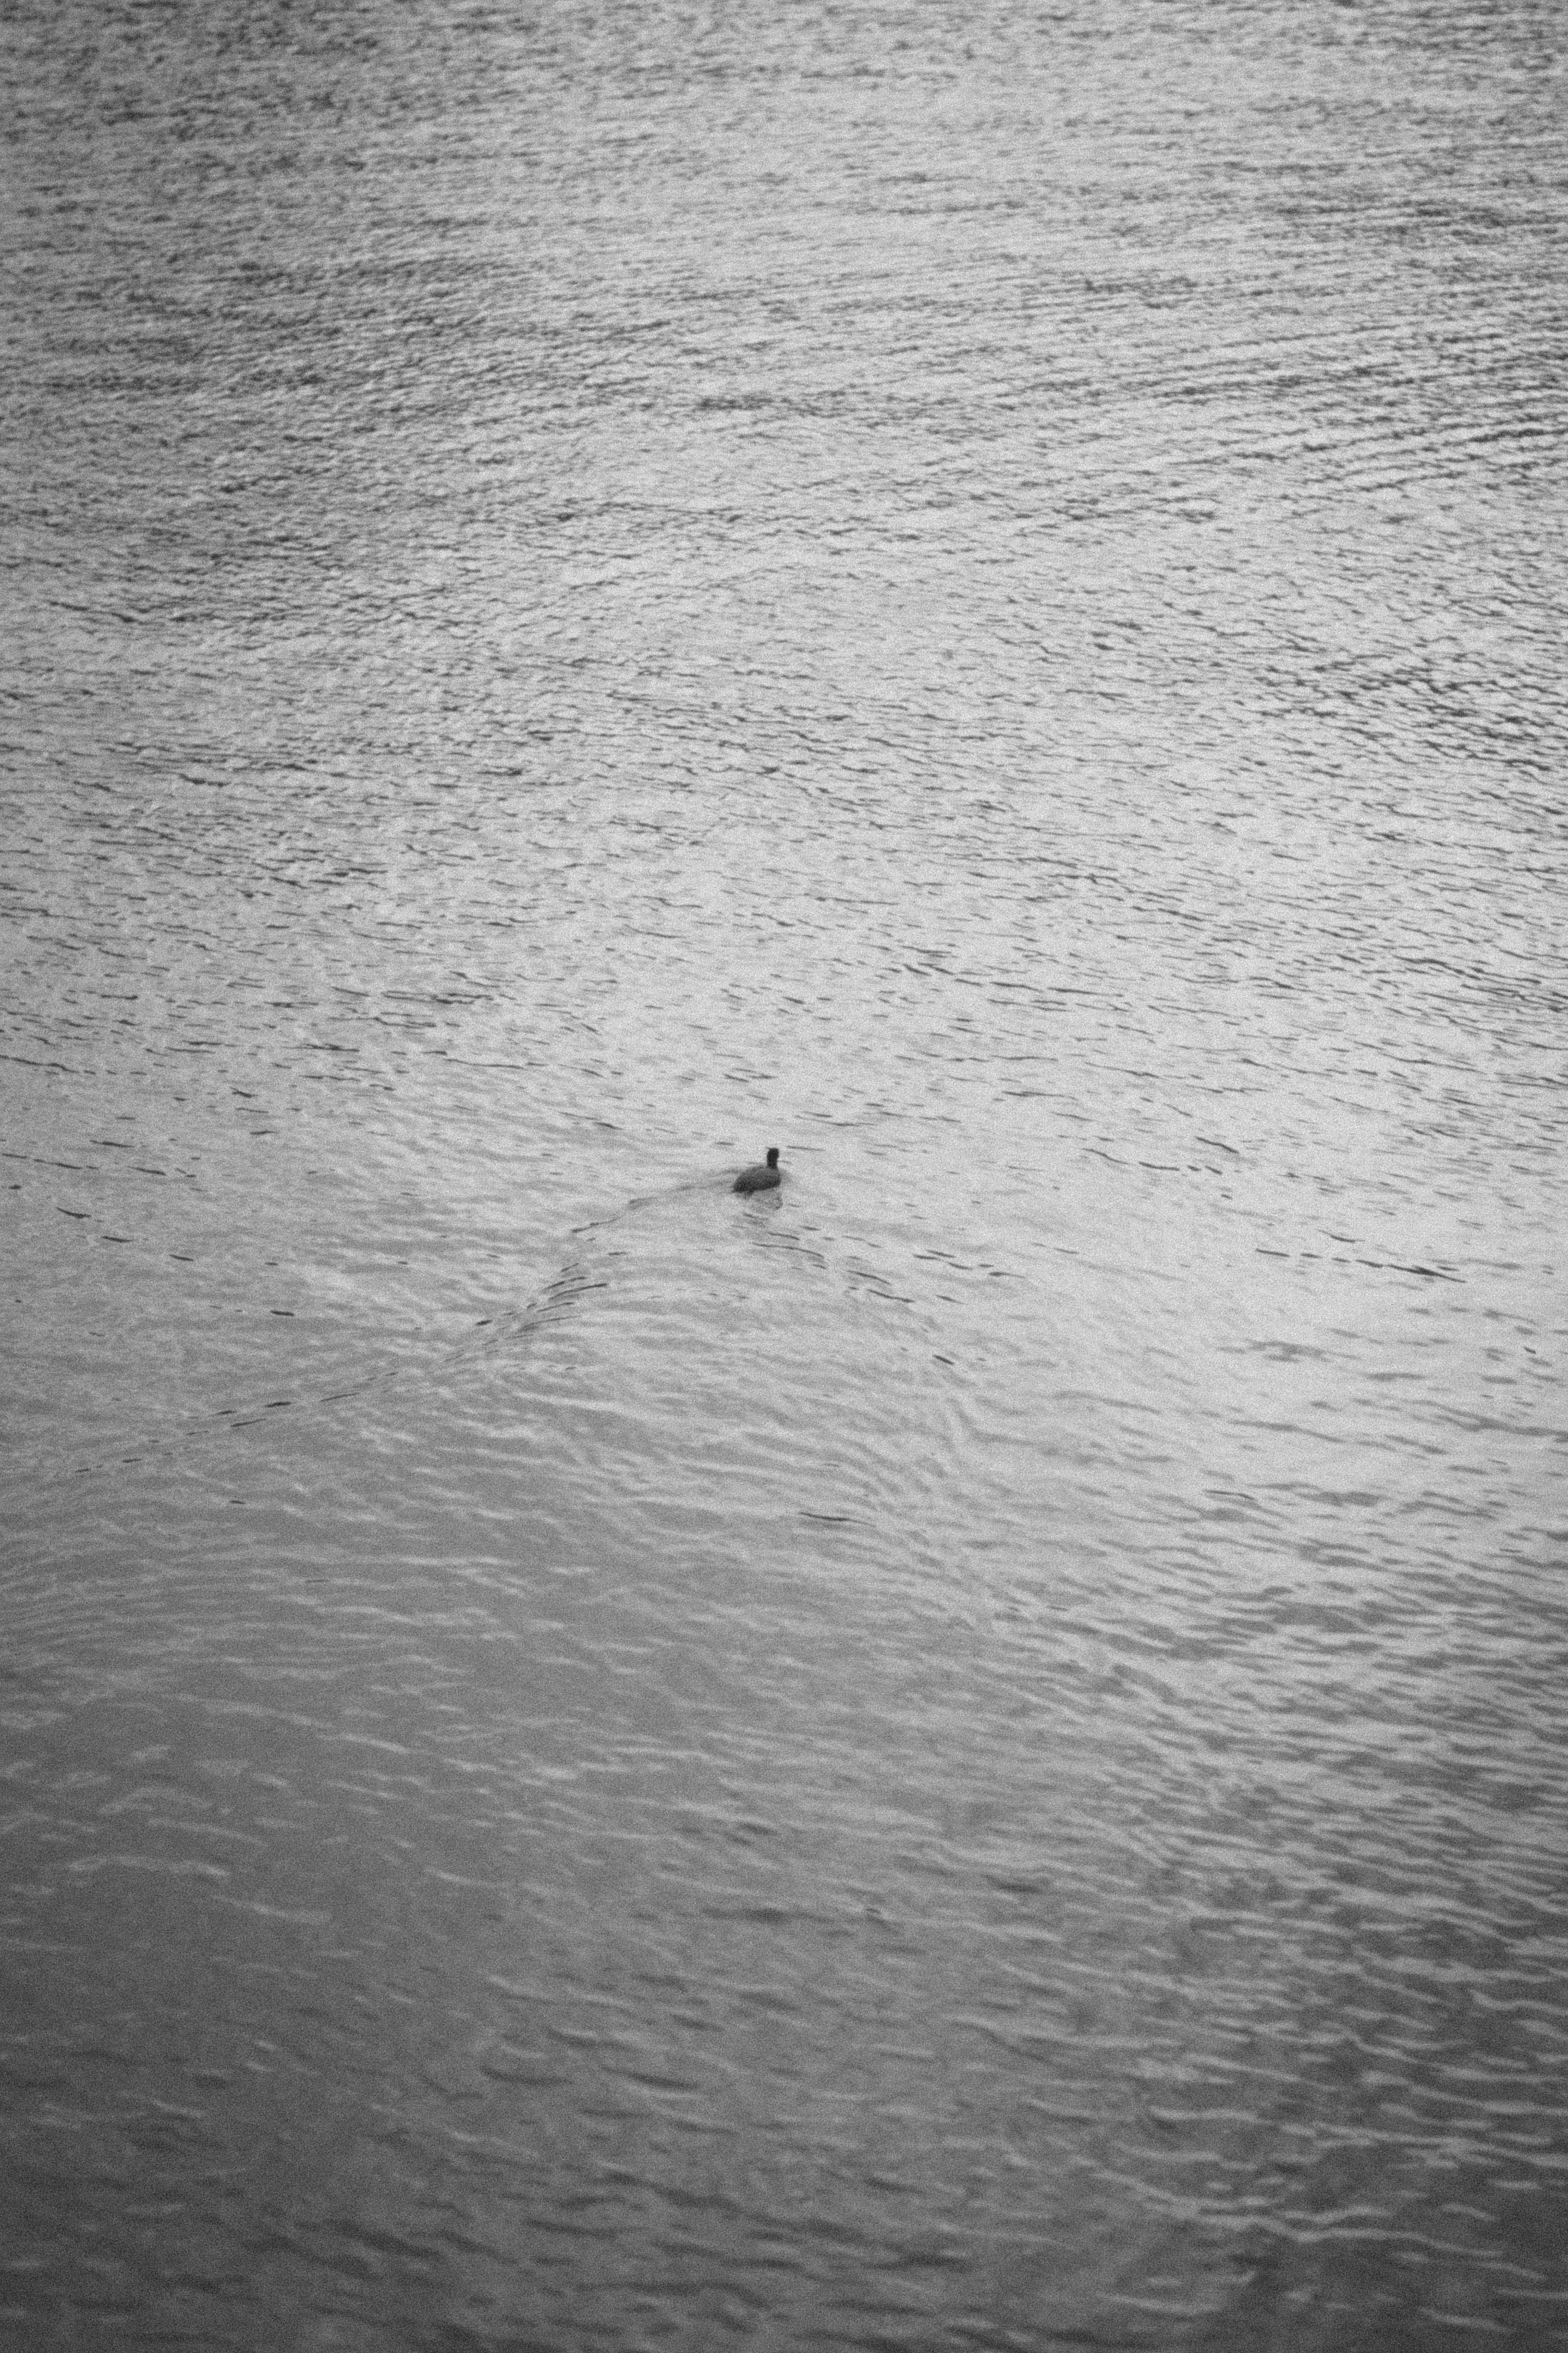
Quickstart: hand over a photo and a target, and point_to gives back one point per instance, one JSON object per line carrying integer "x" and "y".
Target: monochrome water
{"x": 968, "y": 1751}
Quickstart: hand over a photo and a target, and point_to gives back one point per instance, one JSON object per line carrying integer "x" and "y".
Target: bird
{"x": 758, "y": 1178}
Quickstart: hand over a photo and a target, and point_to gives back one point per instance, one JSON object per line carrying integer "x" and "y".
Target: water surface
{"x": 969, "y": 1753}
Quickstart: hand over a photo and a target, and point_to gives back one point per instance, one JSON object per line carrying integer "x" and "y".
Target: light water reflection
{"x": 970, "y": 1752}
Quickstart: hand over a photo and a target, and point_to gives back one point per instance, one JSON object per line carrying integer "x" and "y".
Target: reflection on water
{"x": 970, "y": 1751}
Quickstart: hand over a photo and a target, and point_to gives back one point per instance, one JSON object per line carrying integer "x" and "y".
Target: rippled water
{"x": 972, "y": 1752}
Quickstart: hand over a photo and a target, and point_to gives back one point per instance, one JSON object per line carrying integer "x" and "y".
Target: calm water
{"x": 972, "y": 1753}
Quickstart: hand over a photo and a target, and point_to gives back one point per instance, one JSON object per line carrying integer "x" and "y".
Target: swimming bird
{"x": 765, "y": 1173}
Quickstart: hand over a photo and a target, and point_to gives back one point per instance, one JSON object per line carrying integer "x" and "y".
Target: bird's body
{"x": 765, "y": 1173}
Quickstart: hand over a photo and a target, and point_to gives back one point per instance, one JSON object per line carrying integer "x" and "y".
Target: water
{"x": 969, "y": 1753}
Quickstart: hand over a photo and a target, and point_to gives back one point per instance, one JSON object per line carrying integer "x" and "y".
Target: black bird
{"x": 765, "y": 1173}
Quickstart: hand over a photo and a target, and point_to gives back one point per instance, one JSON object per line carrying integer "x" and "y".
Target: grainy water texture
{"x": 969, "y": 1753}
